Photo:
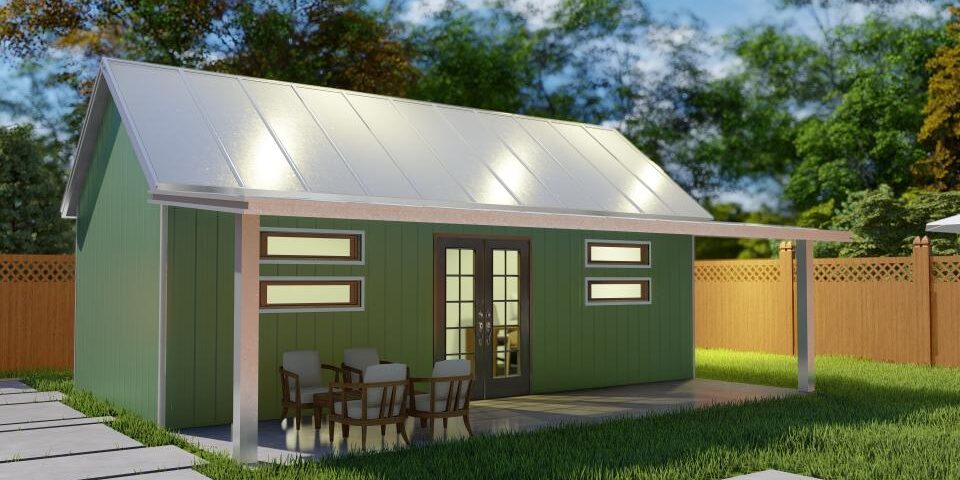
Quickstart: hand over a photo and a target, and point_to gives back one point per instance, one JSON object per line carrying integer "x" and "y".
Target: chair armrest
{"x": 285, "y": 377}
{"x": 345, "y": 369}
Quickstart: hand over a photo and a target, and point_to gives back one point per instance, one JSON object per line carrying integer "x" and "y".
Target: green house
{"x": 222, "y": 221}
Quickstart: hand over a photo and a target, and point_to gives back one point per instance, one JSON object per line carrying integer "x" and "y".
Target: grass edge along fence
{"x": 897, "y": 309}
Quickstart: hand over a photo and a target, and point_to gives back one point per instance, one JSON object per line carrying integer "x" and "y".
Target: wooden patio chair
{"x": 356, "y": 361}
{"x": 302, "y": 385}
{"x": 449, "y": 395}
{"x": 379, "y": 400}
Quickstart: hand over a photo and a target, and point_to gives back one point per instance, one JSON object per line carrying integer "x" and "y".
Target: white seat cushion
{"x": 373, "y": 411}
{"x": 306, "y": 364}
{"x": 450, "y": 368}
{"x": 422, "y": 403}
{"x": 360, "y": 359}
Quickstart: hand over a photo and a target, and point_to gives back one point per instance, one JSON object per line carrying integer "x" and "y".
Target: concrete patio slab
{"x": 30, "y": 444}
{"x": 12, "y": 385}
{"x": 30, "y": 397}
{"x": 36, "y": 412}
{"x": 95, "y": 465}
{"x": 280, "y": 440}
{"x": 15, "y": 427}
{"x": 771, "y": 475}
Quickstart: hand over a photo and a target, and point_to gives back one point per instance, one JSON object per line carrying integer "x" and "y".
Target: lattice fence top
{"x": 737, "y": 272}
{"x": 36, "y": 268}
{"x": 844, "y": 271}
{"x": 945, "y": 269}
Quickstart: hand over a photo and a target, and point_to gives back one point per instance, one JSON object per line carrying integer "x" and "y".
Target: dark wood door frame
{"x": 483, "y": 246}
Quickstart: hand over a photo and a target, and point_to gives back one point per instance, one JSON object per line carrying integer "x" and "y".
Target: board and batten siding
{"x": 572, "y": 346}
{"x": 117, "y": 277}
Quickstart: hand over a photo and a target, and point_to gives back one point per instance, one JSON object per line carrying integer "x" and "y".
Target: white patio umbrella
{"x": 945, "y": 225}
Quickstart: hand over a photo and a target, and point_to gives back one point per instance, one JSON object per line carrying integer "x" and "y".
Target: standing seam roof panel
{"x": 403, "y": 144}
{"x": 377, "y": 171}
{"x": 446, "y": 143}
{"x": 164, "y": 119}
{"x": 524, "y": 186}
{"x": 318, "y": 161}
{"x": 540, "y": 162}
{"x": 628, "y": 184}
{"x": 589, "y": 178}
{"x": 254, "y": 152}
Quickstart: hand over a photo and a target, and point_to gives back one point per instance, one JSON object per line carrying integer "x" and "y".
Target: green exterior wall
{"x": 118, "y": 277}
{"x": 573, "y": 346}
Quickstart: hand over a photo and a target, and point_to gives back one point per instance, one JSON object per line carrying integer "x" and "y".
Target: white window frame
{"x": 591, "y": 303}
{"x": 586, "y": 253}
{"x": 353, "y": 308}
{"x": 362, "y": 250}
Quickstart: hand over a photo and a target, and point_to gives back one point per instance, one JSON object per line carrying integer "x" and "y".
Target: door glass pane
{"x": 499, "y": 264}
{"x": 466, "y": 262}
{"x": 453, "y": 315}
{"x": 453, "y": 340}
{"x": 466, "y": 288}
{"x": 513, "y": 262}
{"x": 499, "y": 313}
{"x": 513, "y": 288}
{"x": 499, "y": 288}
{"x": 453, "y": 288}
{"x": 466, "y": 314}
{"x": 453, "y": 261}
{"x": 506, "y": 313}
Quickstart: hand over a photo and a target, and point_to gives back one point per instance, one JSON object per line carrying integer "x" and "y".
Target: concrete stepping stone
{"x": 12, "y": 385}
{"x": 15, "y": 427}
{"x": 36, "y": 412}
{"x": 46, "y": 442}
{"x": 30, "y": 397}
{"x": 95, "y": 465}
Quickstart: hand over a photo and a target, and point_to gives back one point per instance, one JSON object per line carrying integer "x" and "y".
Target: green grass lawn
{"x": 868, "y": 420}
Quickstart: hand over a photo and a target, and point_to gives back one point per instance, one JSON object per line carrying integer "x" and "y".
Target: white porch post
{"x": 805, "y": 321}
{"x": 246, "y": 337}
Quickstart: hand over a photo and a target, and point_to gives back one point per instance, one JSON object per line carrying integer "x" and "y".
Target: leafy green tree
{"x": 940, "y": 170}
{"x": 885, "y": 224}
{"x": 30, "y": 190}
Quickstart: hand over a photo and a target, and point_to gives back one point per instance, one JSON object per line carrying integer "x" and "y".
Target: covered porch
{"x": 279, "y": 440}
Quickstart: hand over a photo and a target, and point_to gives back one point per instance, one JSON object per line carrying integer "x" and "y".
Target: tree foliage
{"x": 940, "y": 170}
{"x": 30, "y": 190}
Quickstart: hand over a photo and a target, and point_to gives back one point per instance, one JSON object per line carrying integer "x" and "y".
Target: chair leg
{"x": 330, "y": 425}
{"x": 299, "y": 414}
{"x": 317, "y": 415}
{"x": 345, "y": 430}
{"x": 402, "y": 426}
{"x": 363, "y": 436}
{"x": 444, "y": 423}
{"x": 432, "y": 421}
{"x": 466, "y": 423}
{"x": 284, "y": 414}
{"x": 423, "y": 422}
{"x": 383, "y": 430}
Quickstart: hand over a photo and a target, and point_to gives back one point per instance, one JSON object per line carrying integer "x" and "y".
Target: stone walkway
{"x": 771, "y": 475}
{"x": 41, "y": 438}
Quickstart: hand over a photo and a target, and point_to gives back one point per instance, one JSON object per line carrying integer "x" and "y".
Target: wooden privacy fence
{"x": 899, "y": 309}
{"x": 36, "y": 311}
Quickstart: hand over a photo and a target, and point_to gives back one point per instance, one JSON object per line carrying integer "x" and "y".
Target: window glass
{"x": 327, "y": 293}
{"x": 294, "y": 245}
{"x": 618, "y": 290}
{"x": 618, "y": 254}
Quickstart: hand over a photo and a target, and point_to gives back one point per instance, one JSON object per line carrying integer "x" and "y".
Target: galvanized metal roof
{"x": 244, "y": 138}
{"x": 945, "y": 225}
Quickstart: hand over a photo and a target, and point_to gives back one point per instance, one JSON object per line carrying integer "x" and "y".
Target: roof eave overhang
{"x": 83, "y": 153}
{"x": 492, "y": 216}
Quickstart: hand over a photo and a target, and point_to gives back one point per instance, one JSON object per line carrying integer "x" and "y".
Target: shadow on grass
{"x": 806, "y": 434}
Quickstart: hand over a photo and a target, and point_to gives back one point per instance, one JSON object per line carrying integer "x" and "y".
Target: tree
{"x": 30, "y": 190}
{"x": 940, "y": 170}
{"x": 884, "y": 224}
